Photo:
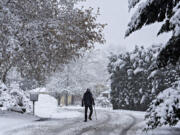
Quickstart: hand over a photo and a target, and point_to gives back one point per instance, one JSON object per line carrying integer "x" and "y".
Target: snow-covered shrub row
{"x": 165, "y": 109}
{"x": 135, "y": 79}
{"x": 14, "y": 99}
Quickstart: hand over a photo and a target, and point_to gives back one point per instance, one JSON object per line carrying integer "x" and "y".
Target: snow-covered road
{"x": 108, "y": 123}
{"x": 55, "y": 120}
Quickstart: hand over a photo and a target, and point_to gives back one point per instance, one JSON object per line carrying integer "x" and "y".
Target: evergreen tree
{"x": 164, "y": 110}
{"x": 166, "y": 11}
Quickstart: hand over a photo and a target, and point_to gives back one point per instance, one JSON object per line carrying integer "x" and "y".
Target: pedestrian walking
{"x": 88, "y": 102}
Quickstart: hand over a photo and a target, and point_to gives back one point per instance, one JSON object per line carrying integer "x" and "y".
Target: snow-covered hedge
{"x": 130, "y": 86}
{"x": 135, "y": 79}
{"x": 165, "y": 109}
{"x": 14, "y": 99}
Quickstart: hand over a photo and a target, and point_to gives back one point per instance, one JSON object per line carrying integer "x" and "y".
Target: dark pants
{"x": 86, "y": 110}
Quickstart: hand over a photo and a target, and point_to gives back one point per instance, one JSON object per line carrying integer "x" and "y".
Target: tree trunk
{"x": 59, "y": 101}
{"x": 4, "y": 78}
{"x": 66, "y": 99}
{"x": 5, "y": 75}
{"x": 72, "y": 100}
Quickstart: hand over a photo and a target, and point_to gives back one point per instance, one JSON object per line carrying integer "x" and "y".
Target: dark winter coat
{"x": 88, "y": 99}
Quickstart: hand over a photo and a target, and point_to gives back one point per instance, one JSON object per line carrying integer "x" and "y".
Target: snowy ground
{"x": 11, "y": 120}
{"x": 69, "y": 121}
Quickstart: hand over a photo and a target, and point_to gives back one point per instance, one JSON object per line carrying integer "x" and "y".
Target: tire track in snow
{"x": 108, "y": 128}
{"x": 125, "y": 130}
{"x": 41, "y": 127}
{"x": 55, "y": 127}
{"x": 76, "y": 126}
{"x": 45, "y": 126}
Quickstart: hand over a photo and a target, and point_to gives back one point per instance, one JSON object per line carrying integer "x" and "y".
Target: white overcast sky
{"x": 115, "y": 14}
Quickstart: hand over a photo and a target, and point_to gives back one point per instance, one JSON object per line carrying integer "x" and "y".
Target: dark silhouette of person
{"x": 88, "y": 102}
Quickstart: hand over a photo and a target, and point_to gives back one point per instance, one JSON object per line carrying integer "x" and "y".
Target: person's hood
{"x": 88, "y": 92}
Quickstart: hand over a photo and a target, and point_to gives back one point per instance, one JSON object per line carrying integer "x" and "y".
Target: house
{"x": 99, "y": 88}
{"x": 65, "y": 98}
{"x": 106, "y": 94}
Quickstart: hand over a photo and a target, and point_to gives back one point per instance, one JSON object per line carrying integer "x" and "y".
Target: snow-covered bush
{"x": 103, "y": 102}
{"x": 165, "y": 109}
{"x": 14, "y": 99}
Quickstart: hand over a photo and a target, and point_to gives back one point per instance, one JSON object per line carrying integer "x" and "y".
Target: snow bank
{"x": 47, "y": 107}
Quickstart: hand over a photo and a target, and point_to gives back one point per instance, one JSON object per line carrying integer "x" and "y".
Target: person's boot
{"x": 85, "y": 120}
{"x": 90, "y": 118}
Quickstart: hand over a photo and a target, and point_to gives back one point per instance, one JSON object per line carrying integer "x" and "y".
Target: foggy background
{"x": 115, "y": 14}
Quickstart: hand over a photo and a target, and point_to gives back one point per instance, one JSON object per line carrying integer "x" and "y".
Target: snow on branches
{"x": 132, "y": 3}
{"x": 166, "y": 11}
{"x": 151, "y": 11}
{"x": 38, "y": 36}
{"x": 165, "y": 109}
